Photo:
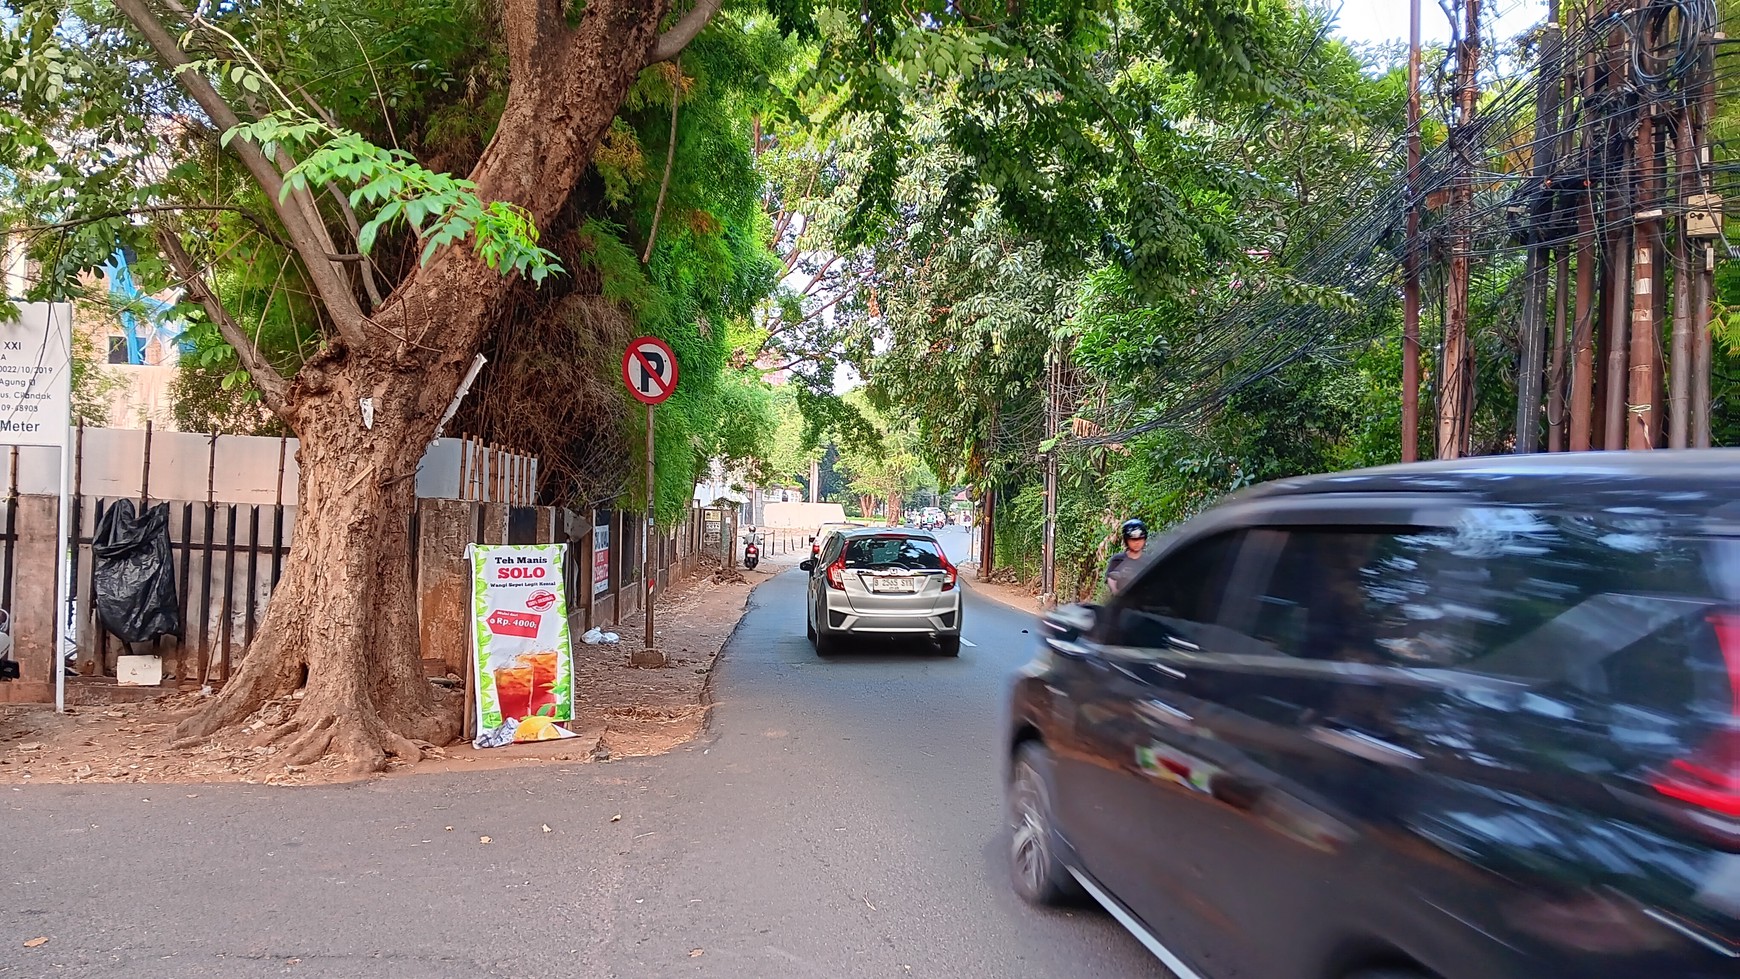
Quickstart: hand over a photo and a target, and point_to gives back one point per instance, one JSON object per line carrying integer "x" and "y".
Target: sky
{"x": 1387, "y": 20}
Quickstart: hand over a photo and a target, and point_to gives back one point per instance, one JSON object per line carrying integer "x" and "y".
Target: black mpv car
{"x": 1476, "y": 720}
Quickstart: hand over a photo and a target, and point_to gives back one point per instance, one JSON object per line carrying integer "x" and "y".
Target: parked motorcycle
{"x": 751, "y": 550}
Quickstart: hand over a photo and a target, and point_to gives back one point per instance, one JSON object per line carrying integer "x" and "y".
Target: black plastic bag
{"x": 133, "y": 576}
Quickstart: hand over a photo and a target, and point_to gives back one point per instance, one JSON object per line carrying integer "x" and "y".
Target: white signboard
{"x": 36, "y": 375}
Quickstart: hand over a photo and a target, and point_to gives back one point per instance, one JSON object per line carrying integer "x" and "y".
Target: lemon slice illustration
{"x": 537, "y": 729}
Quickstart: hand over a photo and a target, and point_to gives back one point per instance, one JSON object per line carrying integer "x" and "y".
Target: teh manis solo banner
{"x": 522, "y": 661}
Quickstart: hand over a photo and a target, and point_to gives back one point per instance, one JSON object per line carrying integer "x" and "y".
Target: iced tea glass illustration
{"x": 543, "y": 680}
{"x": 513, "y": 691}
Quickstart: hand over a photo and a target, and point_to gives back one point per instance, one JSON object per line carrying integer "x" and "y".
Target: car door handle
{"x": 1178, "y": 642}
{"x": 1165, "y": 713}
{"x": 1361, "y": 745}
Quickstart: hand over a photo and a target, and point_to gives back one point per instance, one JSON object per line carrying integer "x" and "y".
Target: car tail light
{"x": 950, "y": 574}
{"x": 837, "y": 574}
{"x": 1710, "y": 778}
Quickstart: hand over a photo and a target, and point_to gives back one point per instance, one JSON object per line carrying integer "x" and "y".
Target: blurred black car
{"x": 1466, "y": 721}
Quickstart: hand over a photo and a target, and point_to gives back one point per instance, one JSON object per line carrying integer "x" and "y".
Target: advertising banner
{"x": 601, "y": 559}
{"x": 522, "y": 658}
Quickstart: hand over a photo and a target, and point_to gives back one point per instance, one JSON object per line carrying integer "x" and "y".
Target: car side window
{"x": 1512, "y": 592}
{"x": 1177, "y": 597}
{"x": 1318, "y": 599}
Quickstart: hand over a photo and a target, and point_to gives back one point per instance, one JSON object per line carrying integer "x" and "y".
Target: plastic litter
{"x": 133, "y": 577}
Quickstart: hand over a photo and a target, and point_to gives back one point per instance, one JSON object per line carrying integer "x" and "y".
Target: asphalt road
{"x": 841, "y": 819}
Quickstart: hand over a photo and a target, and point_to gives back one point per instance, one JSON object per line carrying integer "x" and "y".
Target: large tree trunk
{"x": 342, "y": 624}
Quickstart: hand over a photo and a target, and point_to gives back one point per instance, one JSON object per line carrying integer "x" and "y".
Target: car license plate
{"x": 906, "y": 585}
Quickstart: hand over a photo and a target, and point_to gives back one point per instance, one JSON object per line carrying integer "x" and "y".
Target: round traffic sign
{"x": 649, "y": 368}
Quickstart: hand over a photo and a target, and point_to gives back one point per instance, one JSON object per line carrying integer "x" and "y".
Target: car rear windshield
{"x": 886, "y": 553}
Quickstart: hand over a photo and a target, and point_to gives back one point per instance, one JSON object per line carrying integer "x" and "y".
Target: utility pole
{"x": 1544, "y": 150}
{"x": 1582, "y": 409}
{"x": 1454, "y": 372}
{"x": 1556, "y": 360}
{"x": 1640, "y": 416}
{"x": 1642, "y": 420}
{"x": 1618, "y": 328}
{"x": 1616, "y": 290}
{"x": 815, "y": 480}
{"x": 1704, "y": 254}
{"x": 1048, "y": 549}
{"x": 988, "y": 536}
{"x": 1558, "y": 366}
{"x": 1679, "y": 399}
{"x": 1411, "y": 253}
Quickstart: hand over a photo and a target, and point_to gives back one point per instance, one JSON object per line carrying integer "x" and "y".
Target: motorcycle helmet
{"x": 1135, "y": 530}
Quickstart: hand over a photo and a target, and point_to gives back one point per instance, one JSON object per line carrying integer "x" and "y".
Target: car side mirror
{"x": 1070, "y": 623}
{"x": 809, "y": 566}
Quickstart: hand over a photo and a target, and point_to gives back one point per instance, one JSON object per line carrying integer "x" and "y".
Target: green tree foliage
{"x": 975, "y": 288}
{"x": 887, "y": 469}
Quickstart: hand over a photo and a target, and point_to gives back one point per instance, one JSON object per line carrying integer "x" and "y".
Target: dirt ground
{"x": 621, "y": 712}
{"x": 1016, "y": 596}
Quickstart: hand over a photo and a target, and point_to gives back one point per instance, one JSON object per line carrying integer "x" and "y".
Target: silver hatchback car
{"x": 883, "y": 582}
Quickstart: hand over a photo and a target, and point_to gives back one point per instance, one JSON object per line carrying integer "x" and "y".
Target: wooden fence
{"x": 227, "y": 558}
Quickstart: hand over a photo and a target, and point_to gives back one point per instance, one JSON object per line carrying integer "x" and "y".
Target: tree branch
{"x": 271, "y": 384}
{"x": 333, "y": 287}
{"x": 368, "y": 265}
{"x": 349, "y": 213}
{"x": 672, "y": 42}
{"x": 259, "y": 223}
{"x": 805, "y": 291}
{"x": 670, "y": 159}
{"x": 846, "y": 288}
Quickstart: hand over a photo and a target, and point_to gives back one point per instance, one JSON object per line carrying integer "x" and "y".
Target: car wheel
{"x": 1039, "y": 873}
{"x": 825, "y": 643}
{"x": 950, "y": 645}
{"x": 809, "y": 627}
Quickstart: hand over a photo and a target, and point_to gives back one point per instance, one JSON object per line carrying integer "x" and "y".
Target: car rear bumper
{"x": 935, "y": 621}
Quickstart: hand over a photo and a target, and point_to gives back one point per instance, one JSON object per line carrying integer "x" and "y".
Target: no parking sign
{"x": 649, "y": 368}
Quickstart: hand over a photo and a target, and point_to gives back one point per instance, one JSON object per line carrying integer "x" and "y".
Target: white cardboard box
{"x": 139, "y": 671}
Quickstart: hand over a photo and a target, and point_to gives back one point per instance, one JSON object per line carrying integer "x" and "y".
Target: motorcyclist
{"x": 1135, "y": 538}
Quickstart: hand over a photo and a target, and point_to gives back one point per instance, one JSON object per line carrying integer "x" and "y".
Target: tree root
{"x": 235, "y": 703}
{"x": 363, "y": 744}
{"x": 308, "y": 746}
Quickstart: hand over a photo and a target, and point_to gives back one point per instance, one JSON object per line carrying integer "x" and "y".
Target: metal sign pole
{"x": 649, "y": 368}
{"x": 646, "y": 534}
{"x": 65, "y": 626}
